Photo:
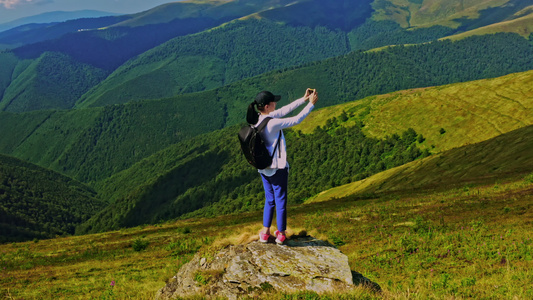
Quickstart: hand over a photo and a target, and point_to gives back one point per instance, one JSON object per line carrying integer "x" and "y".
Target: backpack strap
{"x": 262, "y": 126}
{"x": 277, "y": 146}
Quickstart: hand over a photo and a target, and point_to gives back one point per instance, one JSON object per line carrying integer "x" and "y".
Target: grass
{"x": 489, "y": 161}
{"x": 469, "y": 112}
{"x": 474, "y": 241}
{"x": 435, "y": 12}
{"x": 522, "y": 26}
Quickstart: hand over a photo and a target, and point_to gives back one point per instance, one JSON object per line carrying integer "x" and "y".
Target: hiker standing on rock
{"x": 275, "y": 176}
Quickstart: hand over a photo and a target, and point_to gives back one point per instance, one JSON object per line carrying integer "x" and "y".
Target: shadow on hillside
{"x": 492, "y": 15}
{"x": 157, "y": 203}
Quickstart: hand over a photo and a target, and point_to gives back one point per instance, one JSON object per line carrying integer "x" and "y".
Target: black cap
{"x": 265, "y": 97}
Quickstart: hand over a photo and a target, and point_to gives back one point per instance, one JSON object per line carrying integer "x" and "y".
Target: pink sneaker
{"x": 280, "y": 237}
{"x": 263, "y": 237}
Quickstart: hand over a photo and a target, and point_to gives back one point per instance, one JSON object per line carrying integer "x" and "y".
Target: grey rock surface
{"x": 253, "y": 269}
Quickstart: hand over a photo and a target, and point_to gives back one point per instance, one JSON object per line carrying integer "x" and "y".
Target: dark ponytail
{"x": 252, "y": 116}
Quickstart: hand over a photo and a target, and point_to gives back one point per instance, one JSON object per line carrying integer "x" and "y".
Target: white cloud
{"x": 9, "y": 4}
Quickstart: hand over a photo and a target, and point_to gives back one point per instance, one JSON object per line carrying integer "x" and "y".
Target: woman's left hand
{"x": 308, "y": 93}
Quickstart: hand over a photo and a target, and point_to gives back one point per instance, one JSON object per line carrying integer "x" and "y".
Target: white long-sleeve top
{"x": 271, "y": 132}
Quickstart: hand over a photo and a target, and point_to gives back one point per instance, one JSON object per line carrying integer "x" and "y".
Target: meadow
{"x": 468, "y": 242}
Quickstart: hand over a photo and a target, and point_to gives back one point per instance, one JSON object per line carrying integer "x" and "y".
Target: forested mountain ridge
{"x": 39, "y": 203}
{"x": 160, "y": 71}
{"x": 34, "y": 33}
{"x": 207, "y": 175}
{"x": 94, "y": 42}
{"x": 278, "y": 37}
{"x": 92, "y": 144}
{"x": 362, "y": 24}
{"x": 53, "y": 17}
{"x": 39, "y": 83}
{"x": 204, "y": 61}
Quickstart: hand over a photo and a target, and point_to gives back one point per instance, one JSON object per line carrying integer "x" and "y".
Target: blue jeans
{"x": 276, "y": 197}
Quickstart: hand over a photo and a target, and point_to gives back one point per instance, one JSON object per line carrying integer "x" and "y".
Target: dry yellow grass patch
{"x": 469, "y": 112}
{"x": 522, "y": 26}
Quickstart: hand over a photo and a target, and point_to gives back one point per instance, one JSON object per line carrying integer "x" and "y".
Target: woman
{"x": 275, "y": 177}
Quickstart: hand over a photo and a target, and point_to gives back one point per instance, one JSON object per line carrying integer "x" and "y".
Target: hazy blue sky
{"x": 15, "y": 9}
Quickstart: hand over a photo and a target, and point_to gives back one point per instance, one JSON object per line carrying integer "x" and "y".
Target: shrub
{"x": 529, "y": 178}
{"x": 184, "y": 230}
{"x": 139, "y": 244}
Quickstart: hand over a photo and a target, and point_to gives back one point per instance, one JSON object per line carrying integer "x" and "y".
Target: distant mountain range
{"x": 185, "y": 47}
{"x": 54, "y": 17}
{"x": 93, "y": 143}
{"x": 129, "y": 105}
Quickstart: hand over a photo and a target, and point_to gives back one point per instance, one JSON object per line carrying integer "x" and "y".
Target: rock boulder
{"x": 304, "y": 263}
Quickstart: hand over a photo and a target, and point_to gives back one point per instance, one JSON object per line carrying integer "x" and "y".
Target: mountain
{"x": 182, "y": 47}
{"x": 123, "y": 37}
{"x": 92, "y": 144}
{"x": 106, "y": 47}
{"x": 207, "y": 176}
{"x": 522, "y": 24}
{"x": 238, "y": 50}
{"x": 195, "y": 9}
{"x": 504, "y": 157}
{"x": 456, "y": 14}
{"x": 39, "y": 203}
{"x": 39, "y": 85}
{"x": 184, "y": 65}
{"x": 469, "y": 112}
{"x": 33, "y": 33}
{"x": 54, "y": 17}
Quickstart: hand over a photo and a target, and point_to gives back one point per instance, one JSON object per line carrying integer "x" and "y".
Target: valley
{"x": 119, "y": 159}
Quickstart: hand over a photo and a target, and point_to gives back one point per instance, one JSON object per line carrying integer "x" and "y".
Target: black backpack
{"x": 254, "y": 147}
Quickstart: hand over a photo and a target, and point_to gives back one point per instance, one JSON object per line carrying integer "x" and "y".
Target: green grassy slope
{"x": 522, "y": 25}
{"x": 506, "y": 156}
{"x": 39, "y": 203}
{"x": 214, "y": 9}
{"x": 317, "y": 12}
{"x": 460, "y": 243}
{"x": 469, "y": 112}
{"x": 451, "y": 13}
